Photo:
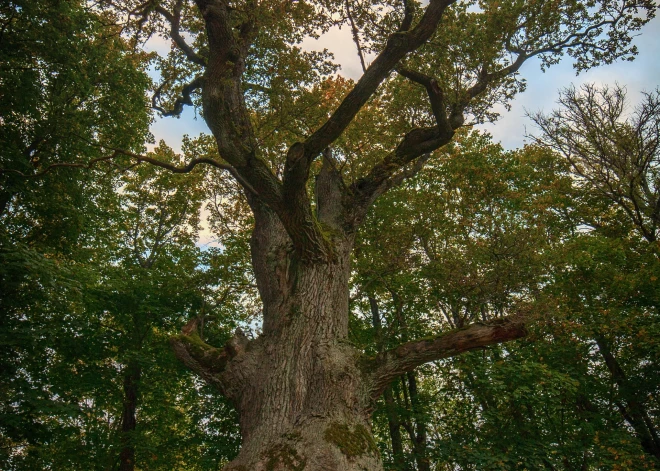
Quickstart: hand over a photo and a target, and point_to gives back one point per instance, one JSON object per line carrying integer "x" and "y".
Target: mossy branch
{"x": 207, "y": 361}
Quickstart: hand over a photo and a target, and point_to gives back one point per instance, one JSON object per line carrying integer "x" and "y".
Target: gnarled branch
{"x": 184, "y": 99}
{"x": 207, "y": 361}
{"x": 174, "y": 19}
{"x": 436, "y": 95}
{"x": 386, "y": 366}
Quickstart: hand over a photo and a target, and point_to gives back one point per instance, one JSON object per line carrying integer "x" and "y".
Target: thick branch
{"x": 387, "y": 173}
{"x": 174, "y": 18}
{"x": 225, "y": 110}
{"x": 420, "y": 141}
{"x": 398, "y": 45}
{"x": 386, "y": 366}
{"x": 297, "y": 216}
{"x": 207, "y": 361}
{"x": 436, "y": 96}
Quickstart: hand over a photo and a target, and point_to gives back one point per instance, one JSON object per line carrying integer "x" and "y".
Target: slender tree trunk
{"x": 394, "y": 425}
{"x": 419, "y": 436}
{"x": 633, "y": 410}
{"x": 393, "y": 422}
{"x": 128, "y": 418}
{"x": 5, "y": 198}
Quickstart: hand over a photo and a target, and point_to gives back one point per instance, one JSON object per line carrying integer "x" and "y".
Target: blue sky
{"x": 643, "y": 74}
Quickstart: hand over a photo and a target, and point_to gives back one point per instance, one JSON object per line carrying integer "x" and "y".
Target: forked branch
{"x": 398, "y": 45}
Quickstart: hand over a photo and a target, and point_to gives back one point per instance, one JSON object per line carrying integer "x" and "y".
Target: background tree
{"x": 515, "y": 238}
{"x": 614, "y": 152}
{"x": 54, "y": 108}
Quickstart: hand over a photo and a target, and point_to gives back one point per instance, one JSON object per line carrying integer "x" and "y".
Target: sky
{"x": 643, "y": 74}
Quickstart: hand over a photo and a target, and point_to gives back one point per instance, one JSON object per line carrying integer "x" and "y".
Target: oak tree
{"x": 312, "y": 154}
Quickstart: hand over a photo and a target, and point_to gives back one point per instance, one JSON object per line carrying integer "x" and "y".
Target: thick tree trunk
{"x": 304, "y": 394}
{"x": 303, "y": 401}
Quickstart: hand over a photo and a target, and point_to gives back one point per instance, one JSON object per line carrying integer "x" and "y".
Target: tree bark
{"x": 128, "y": 418}
{"x": 304, "y": 394}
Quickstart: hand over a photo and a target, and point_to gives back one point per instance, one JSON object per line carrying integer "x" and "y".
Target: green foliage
{"x": 482, "y": 233}
{"x": 98, "y": 270}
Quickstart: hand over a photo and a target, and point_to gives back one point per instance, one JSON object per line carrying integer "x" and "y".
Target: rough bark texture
{"x": 303, "y": 393}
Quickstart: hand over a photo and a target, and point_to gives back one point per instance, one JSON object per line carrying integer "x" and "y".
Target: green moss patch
{"x": 284, "y": 457}
{"x": 212, "y": 358}
{"x": 352, "y": 442}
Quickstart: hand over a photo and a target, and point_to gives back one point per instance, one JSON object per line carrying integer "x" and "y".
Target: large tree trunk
{"x": 304, "y": 394}
{"x": 303, "y": 401}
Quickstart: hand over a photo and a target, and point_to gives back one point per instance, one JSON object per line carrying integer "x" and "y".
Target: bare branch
{"x": 616, "y": 155}
{"x": 356, "y": 36}
{"x": 386, "y": 366}
{"x": 184, "y": 99}
{"x": 139, "y": 159}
